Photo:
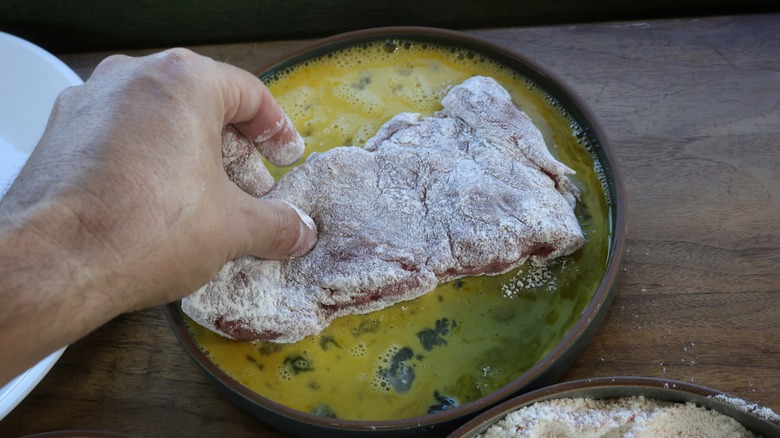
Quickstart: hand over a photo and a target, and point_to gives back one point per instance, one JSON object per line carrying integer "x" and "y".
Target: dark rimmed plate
{"x": 549, "y": 368}
{"x": 753, "y": 417}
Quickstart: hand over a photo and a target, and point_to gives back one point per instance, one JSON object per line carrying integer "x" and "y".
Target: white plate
{"x": 30, "y": 80}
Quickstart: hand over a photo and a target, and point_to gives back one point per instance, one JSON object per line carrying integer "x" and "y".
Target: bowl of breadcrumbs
{"x": 623, "y": 407}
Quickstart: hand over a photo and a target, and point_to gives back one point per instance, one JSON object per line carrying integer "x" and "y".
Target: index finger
{"x": 253, "y": 111}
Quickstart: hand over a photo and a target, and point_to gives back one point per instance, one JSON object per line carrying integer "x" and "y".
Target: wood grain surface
{"x": 692, "y": 108}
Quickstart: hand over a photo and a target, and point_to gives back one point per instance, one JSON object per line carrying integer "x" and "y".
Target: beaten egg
{"x": 468, "y": 337}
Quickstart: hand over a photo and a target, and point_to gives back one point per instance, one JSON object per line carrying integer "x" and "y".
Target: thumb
{"x": 271, "y": 229}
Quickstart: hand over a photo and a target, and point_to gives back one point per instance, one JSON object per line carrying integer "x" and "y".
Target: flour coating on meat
{"x": 471, "y": 190}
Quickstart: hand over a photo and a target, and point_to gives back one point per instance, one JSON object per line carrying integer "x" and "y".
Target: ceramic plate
{"x": 476, "y": 364}
{"x": 30, "y": 81}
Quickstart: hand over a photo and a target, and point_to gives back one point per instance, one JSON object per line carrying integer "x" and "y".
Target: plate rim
{"x": 580, "y": 334}
{"x": 16, "y": 390}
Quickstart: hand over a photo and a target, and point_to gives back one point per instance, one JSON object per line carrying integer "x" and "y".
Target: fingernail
{"x": 307, "y": 235}
{"x": 282, "y": 145}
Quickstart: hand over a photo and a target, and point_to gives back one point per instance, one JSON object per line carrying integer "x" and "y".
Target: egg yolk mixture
{"x": 468, "y": 337}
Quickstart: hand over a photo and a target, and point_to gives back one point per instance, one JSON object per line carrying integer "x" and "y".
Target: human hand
{"x": 125, "y": 203}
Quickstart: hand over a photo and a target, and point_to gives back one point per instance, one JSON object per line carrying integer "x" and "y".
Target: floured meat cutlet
{"x": 471, "y": 190}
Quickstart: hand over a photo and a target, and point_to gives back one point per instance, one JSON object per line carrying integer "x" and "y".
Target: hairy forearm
{"x": 50, "y": 296}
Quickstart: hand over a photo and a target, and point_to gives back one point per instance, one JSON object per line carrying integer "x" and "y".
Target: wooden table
{"x": 692, "y": 107}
